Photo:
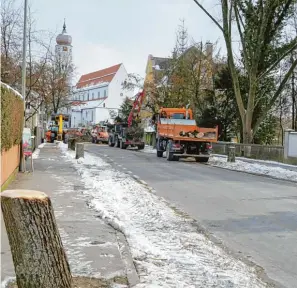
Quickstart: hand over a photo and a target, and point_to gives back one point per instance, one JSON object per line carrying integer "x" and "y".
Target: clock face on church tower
{"x": 65, "y": 48}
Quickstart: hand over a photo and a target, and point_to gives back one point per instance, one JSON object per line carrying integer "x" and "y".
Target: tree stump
{"x": 231, "y": 153}
{"x": 37, "y": 250}
{"x": 79, "y": 150}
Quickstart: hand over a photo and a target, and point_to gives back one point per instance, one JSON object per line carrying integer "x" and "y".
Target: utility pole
{"x": 24, "y": 59}
{"x": 22, "y": 168}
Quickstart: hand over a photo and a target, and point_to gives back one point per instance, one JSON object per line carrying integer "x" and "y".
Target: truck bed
{"x": 186, "y": 130}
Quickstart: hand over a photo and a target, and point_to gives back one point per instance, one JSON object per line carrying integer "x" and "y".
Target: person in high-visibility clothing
{"x": 48, "y": 136}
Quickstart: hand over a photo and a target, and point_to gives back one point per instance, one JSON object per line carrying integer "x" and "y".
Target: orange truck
{"x": 102, "y": 134}
{"x": 179, "y": 136}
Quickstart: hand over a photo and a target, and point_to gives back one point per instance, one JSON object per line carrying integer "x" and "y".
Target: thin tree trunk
{"x": 37, "y": 251}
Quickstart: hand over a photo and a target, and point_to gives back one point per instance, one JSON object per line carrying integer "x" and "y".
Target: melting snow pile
{"x": 36, "y": 153}
{"x": 255, "y": 168}
{"x": 276, "y": 172}
{"x": 167, "y": 248}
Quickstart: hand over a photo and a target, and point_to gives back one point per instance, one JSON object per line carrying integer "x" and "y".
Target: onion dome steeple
{"x": 64, "y": 38}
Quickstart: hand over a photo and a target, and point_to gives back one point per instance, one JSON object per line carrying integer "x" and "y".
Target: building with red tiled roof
{"x": 99, "y": 93}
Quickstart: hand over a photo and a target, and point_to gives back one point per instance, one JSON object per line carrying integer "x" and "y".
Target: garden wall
{"x": 12, "y": 113}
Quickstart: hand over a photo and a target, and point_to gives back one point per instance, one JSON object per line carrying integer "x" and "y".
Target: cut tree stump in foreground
{"x": 90, "y": 282}
{"x": 37, "y": 251}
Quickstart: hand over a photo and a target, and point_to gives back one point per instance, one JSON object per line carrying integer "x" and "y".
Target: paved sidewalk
{"x": 93, "y": 248}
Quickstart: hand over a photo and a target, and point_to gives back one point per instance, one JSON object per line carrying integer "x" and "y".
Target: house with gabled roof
{"x": 98, "y": 96}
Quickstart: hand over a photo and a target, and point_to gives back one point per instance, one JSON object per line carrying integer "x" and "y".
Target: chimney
{"x": 209, "y": 49}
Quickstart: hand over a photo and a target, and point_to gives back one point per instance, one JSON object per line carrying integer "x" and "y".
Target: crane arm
{"x": 136, "y": 106}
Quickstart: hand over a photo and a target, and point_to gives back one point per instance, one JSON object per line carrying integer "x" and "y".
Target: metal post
{"x": 24, "y": 73}
{"x": 24, "y": 58}
{"x": 231, "y": 153}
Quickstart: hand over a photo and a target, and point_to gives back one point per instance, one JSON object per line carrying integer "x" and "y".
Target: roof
{"x": 97, "y": 77}
{"x": 158, "y": 63}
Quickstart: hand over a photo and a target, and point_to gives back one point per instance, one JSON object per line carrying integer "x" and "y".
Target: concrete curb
{"x": 124, "y": 249}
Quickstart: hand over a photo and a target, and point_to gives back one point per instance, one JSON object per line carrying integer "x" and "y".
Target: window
{"x": 103, "y": 105}
{"x": 105, "y": 93}
{"x": 98, "y": 94}
{"x": 82, "y": 97}
{"x": 93, "y": 96}
{"x": 86, "y": 97}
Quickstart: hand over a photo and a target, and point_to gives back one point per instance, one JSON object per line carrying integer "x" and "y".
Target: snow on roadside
{"x": 36, "y": 153}
{"x": 167, "y": 248}
{"x": 149, "y": 149}
{"x": 255, "y": 168}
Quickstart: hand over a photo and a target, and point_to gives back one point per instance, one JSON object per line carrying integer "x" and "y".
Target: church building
{"x": 98, "y": 96}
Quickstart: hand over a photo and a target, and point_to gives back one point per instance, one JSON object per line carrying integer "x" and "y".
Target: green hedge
{"x": 12, "y": 115}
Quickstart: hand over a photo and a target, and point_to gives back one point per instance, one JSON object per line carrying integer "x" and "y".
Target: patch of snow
{"x": 41, "y": 145}
{"x": 149, "y": 149}
{"x": 260, "y": 167}
{"x": 167, "y": 248}
{"x": 35, "y": 154}
{"x": 264, "y": 162}
{"x": 12, "y": 90}
{"x": 6, "y": 281}
{"x": 255, "y": 168}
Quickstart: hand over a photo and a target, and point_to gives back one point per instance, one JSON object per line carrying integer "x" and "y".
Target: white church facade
{"x": 98, "y": 96}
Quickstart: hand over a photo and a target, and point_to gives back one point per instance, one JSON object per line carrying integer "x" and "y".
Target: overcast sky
{"x": 107, "y": 32}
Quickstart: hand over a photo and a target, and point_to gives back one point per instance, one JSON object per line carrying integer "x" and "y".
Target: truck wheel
{"x": 122, "y": 145}
{"x": 140, "y": 147}
{"x": 169, "y": 155}
{"x": 117, "y": 142}
{"x": 160, "y": 154}
{"x": 202, "y": 159}
{"x": 110, "y": 144}
{"x": 159, "y": 151}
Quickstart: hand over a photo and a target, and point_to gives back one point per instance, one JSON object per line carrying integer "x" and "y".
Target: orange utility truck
{"x": 179, "y": 136}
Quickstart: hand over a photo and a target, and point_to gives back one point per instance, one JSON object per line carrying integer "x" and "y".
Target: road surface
{"x": 254, "y": 216}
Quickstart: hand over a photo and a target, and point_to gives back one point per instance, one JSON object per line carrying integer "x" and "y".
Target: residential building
{"x": 98, "y": 96}
{"x": 160, "y": 73}
{"x": 155, "y": 67}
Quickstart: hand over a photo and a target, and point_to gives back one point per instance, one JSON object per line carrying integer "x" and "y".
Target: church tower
{"x": 64, "y": 49}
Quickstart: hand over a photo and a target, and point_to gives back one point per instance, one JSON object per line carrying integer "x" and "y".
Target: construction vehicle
{"x": 59, "y": 118}
{"x": 179, "y": 136}
{"x": 102, "y": 134}
{"x": 122, "y": 136}
{"x": 127, "y": 134}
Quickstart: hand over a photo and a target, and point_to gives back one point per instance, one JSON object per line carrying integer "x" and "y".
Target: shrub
{"x": 12, "y": 115}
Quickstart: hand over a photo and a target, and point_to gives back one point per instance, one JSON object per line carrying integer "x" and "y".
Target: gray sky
{"x": 107, "y": 32}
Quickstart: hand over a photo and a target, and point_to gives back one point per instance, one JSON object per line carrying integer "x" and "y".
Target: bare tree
{"x": 11, "y": 28}
{"x": 55, "y": 84}
{"x": 258, "y": 23}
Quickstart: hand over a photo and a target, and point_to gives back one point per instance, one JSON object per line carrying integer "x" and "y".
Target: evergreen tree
{"x": 125, "y": 110}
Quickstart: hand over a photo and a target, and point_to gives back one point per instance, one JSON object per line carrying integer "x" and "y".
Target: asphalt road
{"x": 254, "y": 216}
